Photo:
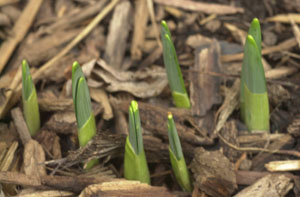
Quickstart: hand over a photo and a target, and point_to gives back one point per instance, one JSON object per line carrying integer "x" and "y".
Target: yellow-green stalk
{"x": 176, "y": 83}
{"x": 135, "y": 163}
{"x": 30, "y": 102}
{"x": 254, "y": 101}
{"x": 176, "y": 157}
{"x": 83, "y": 110}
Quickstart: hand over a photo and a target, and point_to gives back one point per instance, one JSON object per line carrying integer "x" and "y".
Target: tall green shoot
{"x": 176, "y": 157}
{"x": 83, "y": 110}
{"x": 254, "y": 101}
{"x": 135, "y": 164}
{"x": 30, "y": 102}
{"x": 176, "y": 83}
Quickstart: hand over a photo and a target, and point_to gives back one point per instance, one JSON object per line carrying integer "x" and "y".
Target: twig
{"x": 255, "y": 149}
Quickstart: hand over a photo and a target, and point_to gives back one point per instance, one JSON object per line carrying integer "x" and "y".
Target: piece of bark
{"x": 117, "y": 36}
{"x": 21, "y": 125}
{"x": 208, "y": 8}
{"x": 34, "y": 156}
{"x": 100, "y": 96}
{"x": 214, "y": 173}
{"x": 19, "y": 31}
{"x": 274, "y": 185}
{"x": 230, "y": 133}
{"x": 282, "y": 143}
{"x": 68, "y": 183}
{"x": 62, "y": 123}
{"x": 9, "y": 157}
{"x": 125, "y": 188}
{"x": 32, "y": 193}
{"x": 204, "y": 88}
{"x": 50, "y": 142}
{"x": 258, "y": 138}
{"x": 283, "y": 166}
{"x": 140, "y": 24}
{"x": 55, "y": 104}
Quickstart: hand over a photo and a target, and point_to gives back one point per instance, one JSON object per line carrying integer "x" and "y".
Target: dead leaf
{"x": 100, "y": 96}
{"x": 132, "y": 81}
{"x": 34, "y": 156}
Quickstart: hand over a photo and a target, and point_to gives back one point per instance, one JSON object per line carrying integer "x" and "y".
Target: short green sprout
{"x": 83, "y": 110}
{"x": 180, "y": 96}
{"x": 30, "y": 102}
{"x": 135, "y": 164}
{"x": 176, "y": 157}
{"x": 254, "y": 101}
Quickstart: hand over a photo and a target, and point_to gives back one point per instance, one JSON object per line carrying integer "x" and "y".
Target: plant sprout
{"x": 179, "y": 94}
{"x": 177, "y": 158}
{"x": 30, "y": 102}
{"x": 135, "y": 164}
{"x": 253, "y": 94}
{"x": 84, "y": 115}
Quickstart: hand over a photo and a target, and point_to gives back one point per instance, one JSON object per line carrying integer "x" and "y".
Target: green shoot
{"x": 30, "y": 102}
{"x": 253, "y": 94}
{"x": 179, "y": 94}
{"x": 176, "y": 157}
{"x": 83, "y": 110}
{"x": 135, "y": 164}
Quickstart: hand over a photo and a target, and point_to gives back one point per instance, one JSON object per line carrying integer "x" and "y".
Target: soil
{"x": 118, "y": 45}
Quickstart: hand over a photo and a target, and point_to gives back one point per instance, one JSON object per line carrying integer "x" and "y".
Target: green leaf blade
{"x": 83, "y": 110}
{"x": 257, "y": 111}
{"x": 135, "y": 166}
{"x": 172, "y": 66}
{"x": 177, "y": 158}
{"x": 135, "y": 129}
{"x": 254, "y": 102}
{"x": 82, "y": 102}
{"x": 174, "y": 141}
{"x": 30, "y": 101}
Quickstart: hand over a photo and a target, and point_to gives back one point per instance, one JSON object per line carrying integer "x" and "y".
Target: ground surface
{"x": 118, "y": 45}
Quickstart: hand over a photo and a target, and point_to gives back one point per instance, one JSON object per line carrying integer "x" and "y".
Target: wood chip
{"x": 214, "y": 173}
{"x": 116, "y": 42}
{"x": 204, "y": 89}
{"x": 273, "y": 185}
{"x": 33, "y": 159}
{"x": 125, "y": 188}
{"x": 283, "y": 166}
{"x": 208, "y": 8}
{"x": 21, "y": 125}
{"x": 139, "y": 28}
{"x": 100, "y": 96}
{"x": 9, "y": 157}
{"x": 19, "y": 31}
{"x": 284, "y": 18}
